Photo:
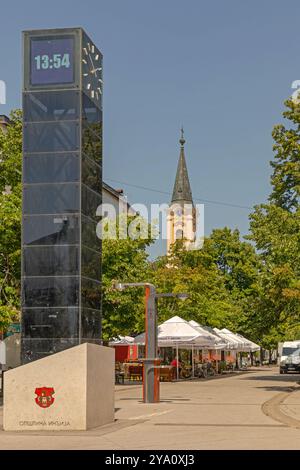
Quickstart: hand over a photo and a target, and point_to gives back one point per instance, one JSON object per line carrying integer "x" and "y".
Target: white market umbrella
{"x": 254, "y": 347}
{"x": 178, "y": 331}
{"x": 230, "y": 340}
{"x": 245, "y": 344}
{"x": 121, "y": 340}
{"x": 217, "y": 341}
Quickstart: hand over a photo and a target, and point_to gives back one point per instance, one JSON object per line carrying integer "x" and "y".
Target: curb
{"x": 271, "y": 408}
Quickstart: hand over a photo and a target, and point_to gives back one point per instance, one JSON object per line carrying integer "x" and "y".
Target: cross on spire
{"x": 182, "y": 140}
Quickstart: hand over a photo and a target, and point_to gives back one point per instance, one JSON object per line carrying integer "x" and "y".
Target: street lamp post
{"x": 151, "y": 361}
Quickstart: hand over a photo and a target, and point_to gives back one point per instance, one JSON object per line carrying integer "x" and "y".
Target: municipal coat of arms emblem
{"x": 44, "y": 396}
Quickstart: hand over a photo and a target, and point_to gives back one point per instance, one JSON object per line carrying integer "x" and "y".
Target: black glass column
{"x": 62, "y": 188}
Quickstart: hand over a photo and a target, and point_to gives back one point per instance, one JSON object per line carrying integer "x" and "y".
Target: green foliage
{"x": 286, "y": 165}
{"x": 195, "y": 273}
{"x": 10, "y": 216}
{"x": 8, "y": 315}
{"x": 235, "y": 259}
{"x": 276, "y": 233}
{"x": 275, "y": 230}
{"x": 124, "y": 260}
{"x": 11, "y": 154}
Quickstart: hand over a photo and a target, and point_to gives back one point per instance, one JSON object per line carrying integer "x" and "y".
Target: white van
{"x": 290, "y": 357}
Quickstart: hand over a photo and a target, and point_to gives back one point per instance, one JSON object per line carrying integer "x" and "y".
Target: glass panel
{"x": 50, "y": 323}
{"x": 51, "y": 137}
{"x": 51, "y": 106}
{"x": 90, "y": 294}
{"x": 33, "y": 349}
{"x": 52, "y": 261}
{"x": 89, "y": 237}
{"x": 91, "y": 174}
{"x": 90, "y": 264}
{"x": 92, "y": 141}
{"x": 90, "y": 202}
{"x": 51, "y": 168}
{"x": 51, "y": 199}
{"x": 50, "y": 292}
{"x": 51, "y": 230}
{"x": 90, "y": 112}
{"x": 90, "y": 324}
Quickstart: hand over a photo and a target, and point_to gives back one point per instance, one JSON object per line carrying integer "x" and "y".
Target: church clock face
{"x": 92, "y": 71}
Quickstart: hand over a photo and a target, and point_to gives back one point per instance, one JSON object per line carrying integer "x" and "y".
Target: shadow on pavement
{"x": 276, "y": 389}
{"x": 165, "y": 400}
{"x": 274, "y": 378}
{"x": 279, "y": 378}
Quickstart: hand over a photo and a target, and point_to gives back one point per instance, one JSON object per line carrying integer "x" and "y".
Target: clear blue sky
{"x": 220, "y": 68}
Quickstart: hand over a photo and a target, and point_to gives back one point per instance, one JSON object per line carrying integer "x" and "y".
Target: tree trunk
{"x": 261, "y": 355}
{"x": 270, "y": 356}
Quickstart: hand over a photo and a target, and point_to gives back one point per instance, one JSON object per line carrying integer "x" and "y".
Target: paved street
{"x": 259, "y": 409}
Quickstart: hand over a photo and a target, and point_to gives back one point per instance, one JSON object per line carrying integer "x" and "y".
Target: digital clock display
{"x": 52, "y": 60}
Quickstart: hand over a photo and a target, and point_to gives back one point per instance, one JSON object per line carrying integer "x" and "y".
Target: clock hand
{"x": 92, "y": 63}
{"x": 95, "y": 70}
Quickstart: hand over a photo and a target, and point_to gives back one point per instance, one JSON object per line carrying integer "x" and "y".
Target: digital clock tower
{"x": 62, "y": 188}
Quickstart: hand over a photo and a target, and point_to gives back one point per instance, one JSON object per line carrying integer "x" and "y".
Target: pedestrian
{"x": 176, "y": 363}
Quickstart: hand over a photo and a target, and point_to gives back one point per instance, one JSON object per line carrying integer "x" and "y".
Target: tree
{"x": 194, "y": 273}
{"x": 235, "y": 259}
{"x": 10, "y": 216}
{"x": 275, "y": 229}
{"x": 286, "y": 165}
{"x": 124, "y": 260}
{"x": 276, "y": 233}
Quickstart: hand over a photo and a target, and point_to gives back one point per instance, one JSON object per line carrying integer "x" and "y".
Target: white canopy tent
{"x": 254, "y": 347}
{"x": 218, "y": 341}
{"x": 247, "y": 345}
{"x": 179, "y": 333}
{"x": 231, "y": 340}
{"x": 122, "y": 340}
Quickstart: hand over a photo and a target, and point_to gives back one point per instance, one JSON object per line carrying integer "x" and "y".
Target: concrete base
{"x": 70, "y": 390}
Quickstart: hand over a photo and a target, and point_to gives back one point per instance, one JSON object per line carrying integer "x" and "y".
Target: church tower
{"x": 181, "y": 218}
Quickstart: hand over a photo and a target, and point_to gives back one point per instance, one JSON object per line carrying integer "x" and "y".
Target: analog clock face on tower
{"x": 92, "y": 71}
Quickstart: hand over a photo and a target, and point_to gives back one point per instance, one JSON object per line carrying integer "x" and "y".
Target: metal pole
{"x": 151, "y": 362}
{"x": 177, "y": 366}
{"x": 193, "y": 368}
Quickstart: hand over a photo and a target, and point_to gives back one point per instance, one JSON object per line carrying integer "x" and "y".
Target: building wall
{"x": 118, "y": 202}
{"x": 4, "y": 122}
{"x": 117, "y": 199}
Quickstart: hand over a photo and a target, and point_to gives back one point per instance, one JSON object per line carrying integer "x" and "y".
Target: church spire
{"x": 182, "y": 190}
